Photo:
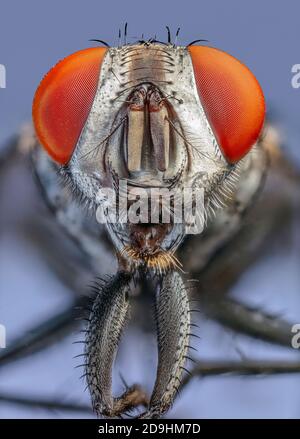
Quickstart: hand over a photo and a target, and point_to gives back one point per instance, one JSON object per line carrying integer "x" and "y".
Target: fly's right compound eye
{"x": 63, "y": 102}
{"x": 232, "y": 100}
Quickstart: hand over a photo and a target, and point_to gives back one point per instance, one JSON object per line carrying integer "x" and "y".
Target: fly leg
{"x": 173, "y": 333}
{"x": 108, "y": 317}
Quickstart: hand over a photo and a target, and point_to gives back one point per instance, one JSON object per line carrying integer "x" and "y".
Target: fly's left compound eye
{"x": 232, "y": 100}
{"x": 63, "y": 101}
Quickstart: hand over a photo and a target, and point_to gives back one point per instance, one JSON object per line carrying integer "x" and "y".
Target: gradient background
{"x": 34, "y": 35}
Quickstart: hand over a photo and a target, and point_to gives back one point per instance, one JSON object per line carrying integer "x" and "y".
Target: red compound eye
{"x": 232, "y": 99}
{"x": 63, "y": 101}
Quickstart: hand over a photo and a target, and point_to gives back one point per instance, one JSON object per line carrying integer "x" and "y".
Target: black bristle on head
{"x": 100, "y": 41}
{"x": 125, "y": 33}
{"x": 197, "y": 41}
{"x": 169, "y": 34}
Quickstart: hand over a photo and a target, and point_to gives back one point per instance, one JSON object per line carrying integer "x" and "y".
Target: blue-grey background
{"x": 34, "y": 35}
